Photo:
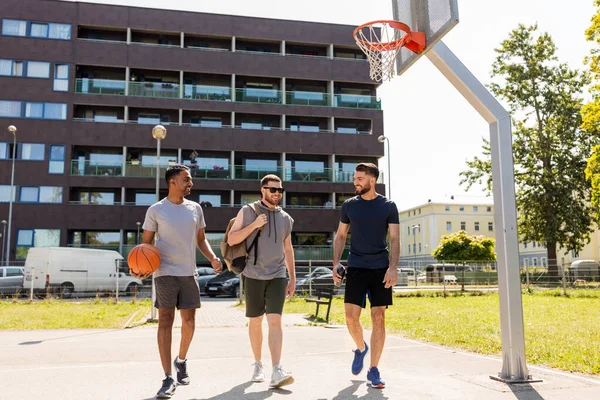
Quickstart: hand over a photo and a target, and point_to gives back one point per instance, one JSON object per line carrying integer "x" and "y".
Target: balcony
{"x": 263, "y": 96}
{"x": 100, "y": 86}
{"x": 303, "y": 175}
{"x": 95, "y": 168}
{"x": 254, "y": 173}
{"x": 162, "y": 90}
{"x": 207, "y": 92}
{"x": 301, "y": 98}
{"x": 357, "y": 101}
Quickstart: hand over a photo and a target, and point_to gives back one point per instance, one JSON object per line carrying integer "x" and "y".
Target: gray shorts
{"x": 177, "y": 291}
{"x": 264, "y": 296}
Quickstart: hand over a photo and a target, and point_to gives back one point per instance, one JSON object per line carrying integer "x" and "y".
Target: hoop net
{"x": 381, "y": 41}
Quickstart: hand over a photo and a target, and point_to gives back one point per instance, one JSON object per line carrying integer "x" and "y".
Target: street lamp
{"x": 3, "y": 239}
{"x": 159, "y": 133}
{"x": 382, "y": 139}
{"x": 415, "y": 248}
{"x": 12, "y": 129}
{"x": 137, "y": 237}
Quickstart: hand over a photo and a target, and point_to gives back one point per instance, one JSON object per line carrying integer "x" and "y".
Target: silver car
{"x": 11, "y": 280}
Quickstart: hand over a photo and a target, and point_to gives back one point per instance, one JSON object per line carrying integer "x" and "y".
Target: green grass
{"x": 52, "y": 314}
{"x": 560, "y": 332}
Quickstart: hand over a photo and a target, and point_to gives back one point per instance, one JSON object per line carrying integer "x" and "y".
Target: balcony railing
{"x": 357, "y": 101}
{"x": 100, "y": 86}
{"x": 307, "y": 98}
{"x": 163, "y": 90}
{"x": 134, "y": 169}
{"x": 249, "y": 95}
{"x": 207, "y": 92}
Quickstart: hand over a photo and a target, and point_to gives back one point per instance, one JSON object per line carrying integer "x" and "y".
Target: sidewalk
{"x": 124, "y": 364}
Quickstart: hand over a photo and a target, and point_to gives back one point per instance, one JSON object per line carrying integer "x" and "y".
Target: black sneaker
{"x": 181, "y": 367}
{"x": 168, "y": 388}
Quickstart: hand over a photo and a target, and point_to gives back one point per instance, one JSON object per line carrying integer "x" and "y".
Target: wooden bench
{"x": 323, "y": 296}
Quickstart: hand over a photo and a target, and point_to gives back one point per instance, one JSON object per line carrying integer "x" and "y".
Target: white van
{"x": 71, "y": 269}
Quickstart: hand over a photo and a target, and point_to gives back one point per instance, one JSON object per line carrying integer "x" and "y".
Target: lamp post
{"x": 137, "y": 237}
{"x": 382, "y": 139}
{"x": 3, "y": 239}
{"x": 415, "y": 248}
{"x": 159, "y": 133}
{"x": 12, "y": 129}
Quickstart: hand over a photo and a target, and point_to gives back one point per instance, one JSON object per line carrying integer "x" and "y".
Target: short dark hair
{"x": 174, "y": 170}
{"x": 369, "y": 169}
{"x": 269, "y": 178}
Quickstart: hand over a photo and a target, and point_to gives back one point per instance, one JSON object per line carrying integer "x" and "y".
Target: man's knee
{"x": 166, "y": 318}
{"x": 378, "y": 315}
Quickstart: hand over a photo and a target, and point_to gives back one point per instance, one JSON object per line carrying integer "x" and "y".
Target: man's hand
{"x": 260, "y": 221}
{"x": 138, "y": 276}
{"x": 216, "y": 264}
{"x": 290, "y": 289}
{"x": 391, "y": 277}
{"x": 337, "y": 277}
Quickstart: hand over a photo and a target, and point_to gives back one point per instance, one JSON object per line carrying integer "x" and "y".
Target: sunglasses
{"x": 273, "y": 190}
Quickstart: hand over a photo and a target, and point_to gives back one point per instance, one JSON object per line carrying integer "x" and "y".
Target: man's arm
{"x": 391, "y": 276}
{"x": 339, "y": 242}
{"x": 207, "y": 251}
{"x": 290, "y": 263}
{"x": 237, "y": 234}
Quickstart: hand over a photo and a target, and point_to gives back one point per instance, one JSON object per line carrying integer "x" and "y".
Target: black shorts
{"x": 364, "y": 282}
{"x": 177, "y": 291}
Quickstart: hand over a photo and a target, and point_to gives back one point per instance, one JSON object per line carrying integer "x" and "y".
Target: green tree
{"x": 591, "y": 111}
{"x": 550, "y": 148}
{"x": 592, "y": 174}
{"x": 460, "y": 247}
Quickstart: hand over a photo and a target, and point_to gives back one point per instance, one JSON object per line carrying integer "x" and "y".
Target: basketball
{"x": 143, "y": 259}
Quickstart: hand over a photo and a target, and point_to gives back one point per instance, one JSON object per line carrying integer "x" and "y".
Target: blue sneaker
{"x": 359, "y": 358}
{"x": 374, "y": 379}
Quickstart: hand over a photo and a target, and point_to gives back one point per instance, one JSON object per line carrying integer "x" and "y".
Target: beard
{"x": 271, "y": 201}
{"x": 363, "y": 190}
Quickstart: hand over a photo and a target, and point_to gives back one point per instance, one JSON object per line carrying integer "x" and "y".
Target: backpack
{"x": 236, "y": 256}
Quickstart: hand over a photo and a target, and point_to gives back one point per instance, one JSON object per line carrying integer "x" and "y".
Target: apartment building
{"x": 239, "y": 97}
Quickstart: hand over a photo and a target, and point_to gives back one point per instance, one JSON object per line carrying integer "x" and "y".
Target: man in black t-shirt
{"x": 372, "y": 270}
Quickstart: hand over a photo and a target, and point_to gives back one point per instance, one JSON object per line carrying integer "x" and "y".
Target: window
{"x": 5, "y": 193}
{"x": 32, "y": 151}
{"x": 524, "y": 245}
{"x": 13, "y": 272}
{"x": 489, "y": 209}
{"x": 11, "y": 68}
{"x": 46, "y": 110}
{"x": 447, "y": 208}
{"x": 57, "y": 160}
{"x": 41, "y": 194}
{"x": 475, "y": 208}
{"x": 10, "y": 109}
{"x": 461, "y": 208}
{"x": 38, "y": 30}
{"x": 145, "y": 199}
{"x": 27, "y": 238}
{"x": 103, "y": 116}
{"x": 476, "y": 226}
{"x": 12, "y": 27}
{"x": 463, "y": 226}
{"x": 38, "y": 69}
{"x": 60, "y": 31}
{"x": 144, "y": 118}
{"x": 414, "y": 249}
{"x": 534, "y": 245}
{"x": 419, "y": 247}
{"x": 534, "y": 261}
{"x": 97, "y": 198}
{"x": 448, "y": 226}
{"x": 543, "y": 262}
{"x": 249, "y": 198}
{"x": 409, "y": 227}
{"x": 212, "y": 200}
{"x": 490, "y": 226}
{"x": 61, "y": 77}
{"x": 409, "y": 249}
{"x": 211, "y": 122}
{"x": 419, "y": 211}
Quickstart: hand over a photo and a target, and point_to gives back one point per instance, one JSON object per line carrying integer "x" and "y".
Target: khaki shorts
{"x": 177, "y": 291}
{"x": 264, "y": 296}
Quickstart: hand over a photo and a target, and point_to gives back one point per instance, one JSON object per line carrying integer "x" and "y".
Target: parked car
{"x": 205, "y": 274}
{"x": 11, "y": 280}
{"x": 226, "y": 283}
{"x": 320, "y": 281}
{"x": 302, "y": 280}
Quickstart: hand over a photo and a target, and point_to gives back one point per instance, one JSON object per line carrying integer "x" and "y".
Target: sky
{"x": 432, "y": 130}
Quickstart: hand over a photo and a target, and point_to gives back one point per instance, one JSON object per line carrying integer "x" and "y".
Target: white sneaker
{"x": 259, "y": 372}
{"x": 280, "y": 377}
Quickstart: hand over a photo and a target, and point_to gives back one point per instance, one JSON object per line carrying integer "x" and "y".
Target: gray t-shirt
{"x": 271, "y": 259}
{"x": 176, "y": 227}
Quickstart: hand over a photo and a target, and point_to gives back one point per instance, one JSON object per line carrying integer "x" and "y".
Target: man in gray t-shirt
{"x": 265, "y": 283}
{"x": 178, "y": 226}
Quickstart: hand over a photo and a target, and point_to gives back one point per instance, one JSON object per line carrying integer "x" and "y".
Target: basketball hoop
{"x": 382, "y": 40}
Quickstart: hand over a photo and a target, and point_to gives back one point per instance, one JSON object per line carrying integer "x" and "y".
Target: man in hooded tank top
{"x": 265, "y": 283}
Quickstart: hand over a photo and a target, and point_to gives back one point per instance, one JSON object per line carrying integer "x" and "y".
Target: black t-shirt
{"x": 369, "y": 221}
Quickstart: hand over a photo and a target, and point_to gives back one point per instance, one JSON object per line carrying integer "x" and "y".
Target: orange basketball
{"x": 143, "y": 259}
